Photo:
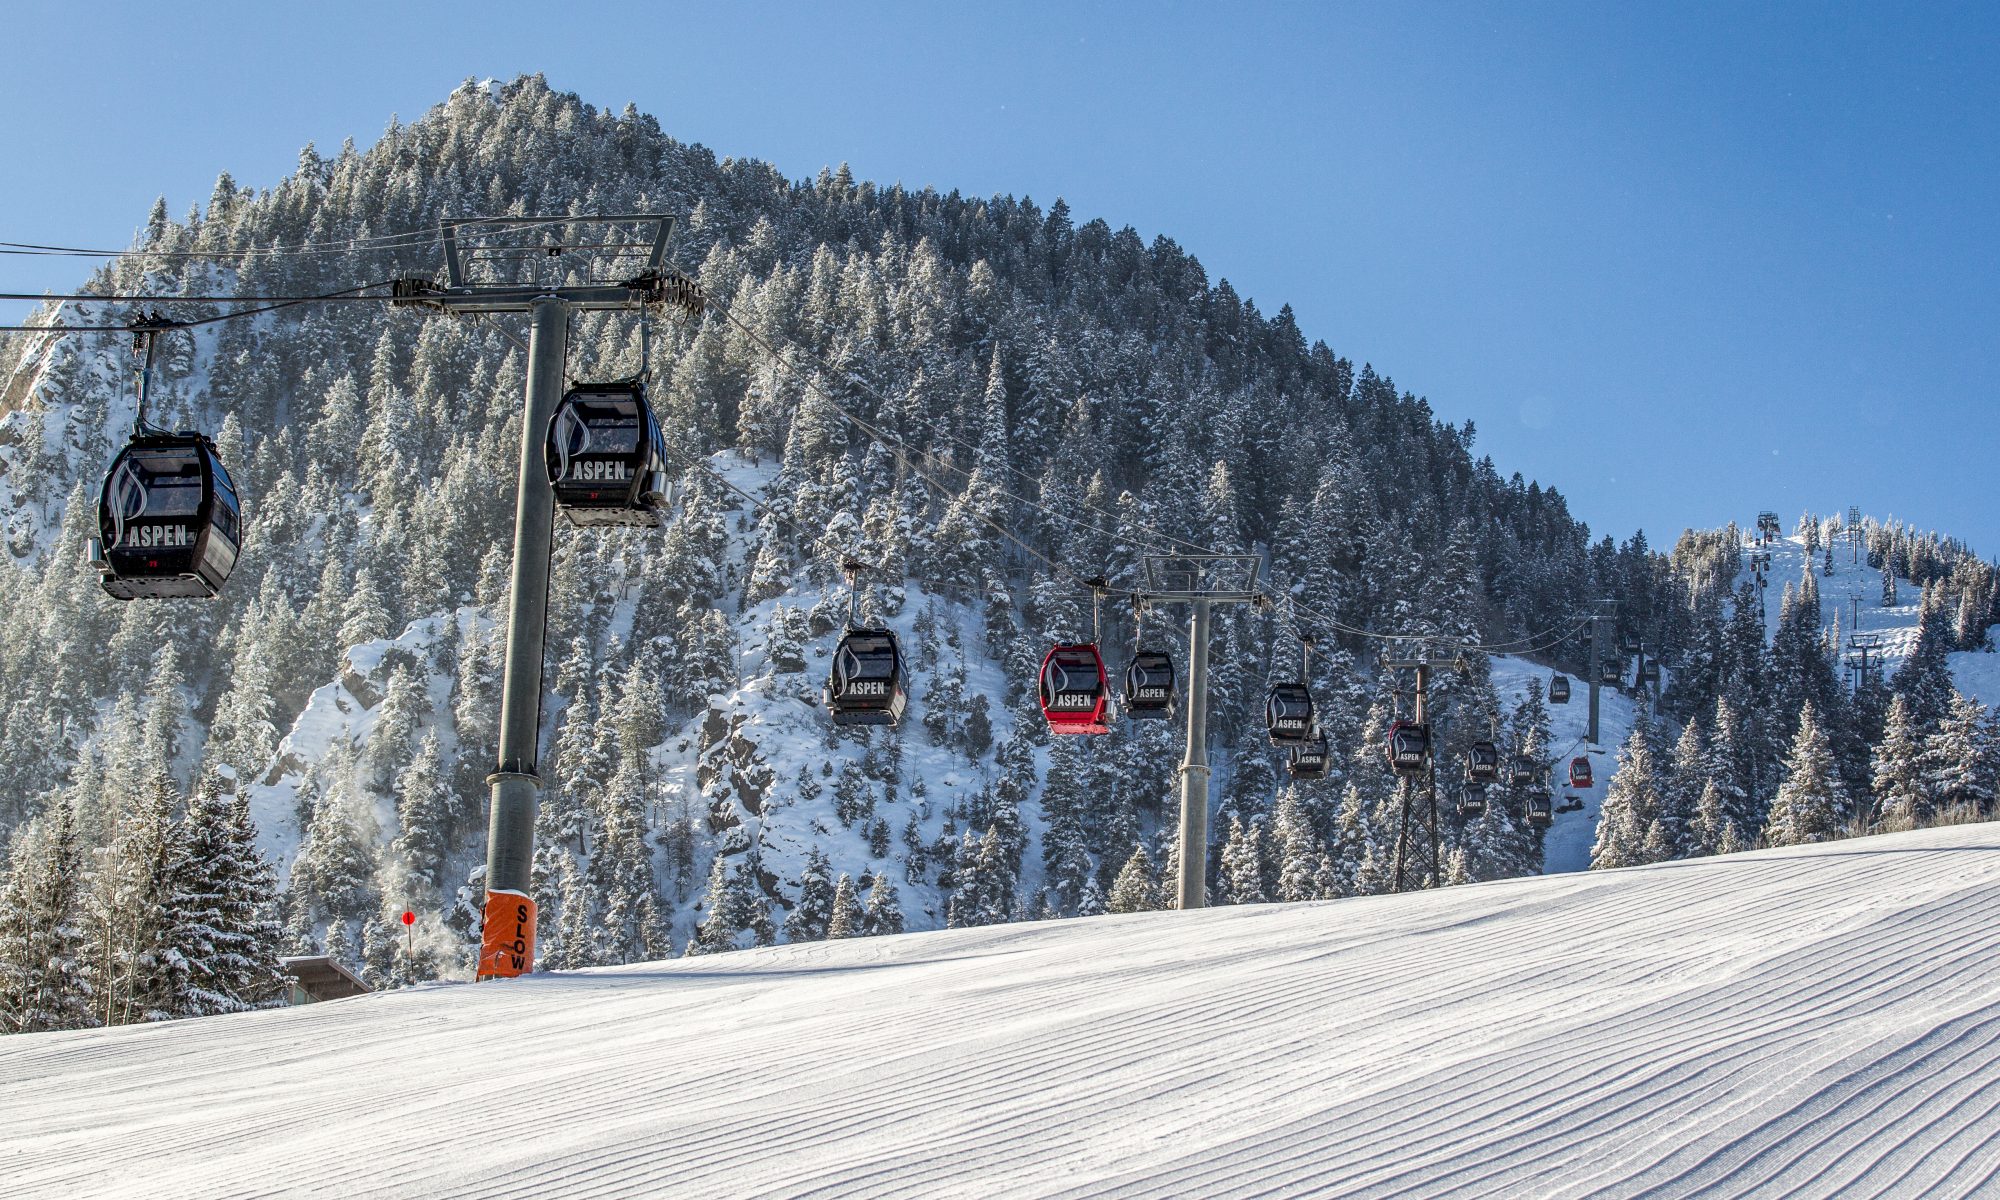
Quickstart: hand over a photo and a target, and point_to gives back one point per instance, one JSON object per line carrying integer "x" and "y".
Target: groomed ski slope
{"x": 1812, "y": 1022}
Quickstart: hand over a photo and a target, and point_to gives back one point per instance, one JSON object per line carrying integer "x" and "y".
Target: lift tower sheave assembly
{"x": 1204, "y": 581}
{"x": 497, "y": 265}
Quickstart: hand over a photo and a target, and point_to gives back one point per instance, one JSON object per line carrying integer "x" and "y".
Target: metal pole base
{"x": 507, "y": 940}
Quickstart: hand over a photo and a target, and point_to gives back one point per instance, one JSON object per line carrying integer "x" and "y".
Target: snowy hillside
{"x": 1566, "y": 845}
{"x": 1977, "y": 672}
{"x": 1808, "y": 1022}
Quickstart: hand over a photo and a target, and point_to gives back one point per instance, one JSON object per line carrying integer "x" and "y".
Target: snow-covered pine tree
{"x": 1903, "y": 792}
{"x": 884, "y": 914}
{"x": 1632, "y": 804}
{"x": 1241, "y": 879}
{"x": 1298, "y": 849}
{"x": 848, "y": 920}
{"x": 1811, "y": 802}
{"x": 1136, "y": 888}
{"x": 812, "y": 912}
{"x": 44, "y": 980}
{"x": 1960, "y": 758}
{"x": 230, "y": 935}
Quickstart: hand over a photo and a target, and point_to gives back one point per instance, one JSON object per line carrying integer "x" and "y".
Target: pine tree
{"x": 1710, "y": 817}
{"x": 1632, "y": 804}
{"x": 884, "y": 914}
{"x": 423, "y": 810}
{"x": 1959, "y": 757}
{"x": 1299, "y": 850}
{"x": 230, "y": 934}
{"x": 814, "y": 910}
{"x": 44, "y": 980}
{"x": 1810, "y": 802}
{"x": 1136, "y": 889}
{"x": 848, "y": 919}
{"x": 1242, "y": 877}
{"x": 1902, "y": 783}
{"x": 727, "y": 912}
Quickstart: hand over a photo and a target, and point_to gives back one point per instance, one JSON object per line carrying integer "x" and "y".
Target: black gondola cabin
{"x": 1559, "y": 689}
{"x": 1288, "y": 713}
{"x": 864, "y": 686}
{"x": 607, "y": 460}
{"x": 1473, "y": 802}
{"x": 168, "y": 521}
{"x": 1149, "y": 686}
{"x": 1308, "y": 759}
{"x": 1540, "y": 810}
{"x": 1409, "y": 747}
{"x": 1482, "y": 762}
{"x": 1524, "y": 773}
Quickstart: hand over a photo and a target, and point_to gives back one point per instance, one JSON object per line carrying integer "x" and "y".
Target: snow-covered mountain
{"x": 1809, "y": 1022}
{"x": 1076, "y": 399}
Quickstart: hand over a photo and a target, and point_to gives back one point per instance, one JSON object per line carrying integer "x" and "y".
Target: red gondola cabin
{"x": 1579, "y": 772}
{"x": 1074, "y": 694}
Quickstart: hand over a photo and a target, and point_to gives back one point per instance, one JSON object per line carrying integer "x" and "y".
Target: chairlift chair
{"x": 607, "y": 459}
{"x": 168, "y": 520}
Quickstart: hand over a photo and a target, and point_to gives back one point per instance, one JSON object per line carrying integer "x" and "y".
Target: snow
{"x": 1816, "y": 1021}
{"x": 1566, "y": 845}
{"x": 1895, "y": 625}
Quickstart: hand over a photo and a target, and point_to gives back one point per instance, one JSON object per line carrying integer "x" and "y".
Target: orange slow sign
{"x": 507, "y": 943}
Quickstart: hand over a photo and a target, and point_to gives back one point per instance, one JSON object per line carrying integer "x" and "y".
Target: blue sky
{"x": 1684, "y": 261}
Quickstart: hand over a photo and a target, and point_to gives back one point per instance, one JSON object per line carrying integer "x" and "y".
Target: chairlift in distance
{"x": 864, "y": 682}
{"x": 169, "y": 523}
